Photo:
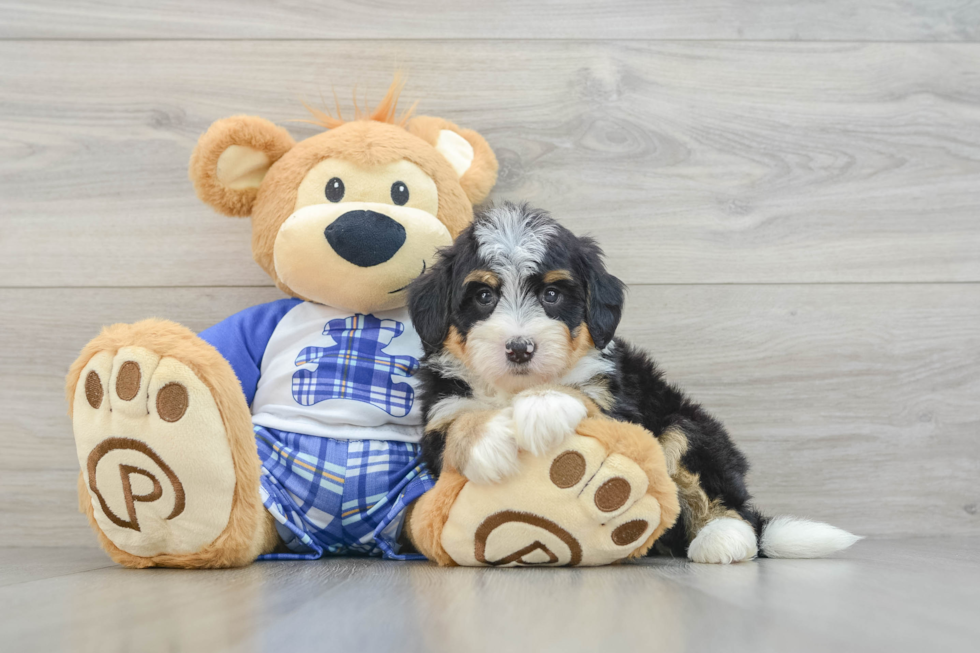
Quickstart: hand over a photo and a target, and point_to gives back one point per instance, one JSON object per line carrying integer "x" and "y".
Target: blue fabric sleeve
{"x": 243, "y": 337}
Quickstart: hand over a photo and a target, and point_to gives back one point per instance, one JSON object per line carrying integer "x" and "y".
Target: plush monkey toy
{"x": 291, "y": 429}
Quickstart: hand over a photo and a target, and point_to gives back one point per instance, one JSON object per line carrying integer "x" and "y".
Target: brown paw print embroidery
{"x": 171, "y": 404}
{"x": 548, "y": 542}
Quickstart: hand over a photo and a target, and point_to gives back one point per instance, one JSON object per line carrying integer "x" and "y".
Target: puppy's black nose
{"x": 365, "y": 238}
{"x": 519, "y": 350}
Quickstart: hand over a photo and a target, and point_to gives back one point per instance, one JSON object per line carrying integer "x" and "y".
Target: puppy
{"x": 518, "y": 319}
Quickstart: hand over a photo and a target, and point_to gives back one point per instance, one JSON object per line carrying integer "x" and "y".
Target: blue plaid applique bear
{"x": 356, "y": 368}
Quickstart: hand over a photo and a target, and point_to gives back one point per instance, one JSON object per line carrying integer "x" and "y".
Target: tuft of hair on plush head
{"x": 385, "y": 111}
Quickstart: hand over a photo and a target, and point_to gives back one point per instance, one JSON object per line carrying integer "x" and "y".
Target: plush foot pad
{"x": 579, "y": 505}
{"x": 154, "y": 453}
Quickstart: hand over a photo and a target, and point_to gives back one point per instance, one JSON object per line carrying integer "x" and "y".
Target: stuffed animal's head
{"x": 351, "y": 216}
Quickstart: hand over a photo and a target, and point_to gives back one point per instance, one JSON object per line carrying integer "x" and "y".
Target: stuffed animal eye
{"x": 335, "y": 190}
{"x": 399, "y": 193}
{"x": 551, "y": 296}
{"x": 485, "y": 297}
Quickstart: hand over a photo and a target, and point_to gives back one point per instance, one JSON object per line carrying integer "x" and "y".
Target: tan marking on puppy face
{"x": 455, "y": 345}
{"x": 482, "y": 276}
{"x": 580, "y": 345}
{"x": 574, "y": 349}
{"x": 557, "y": 275}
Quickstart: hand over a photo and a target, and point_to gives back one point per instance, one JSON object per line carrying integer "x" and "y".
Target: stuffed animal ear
{"x": 231, "y": 159}
{"x": 467, "y": 152}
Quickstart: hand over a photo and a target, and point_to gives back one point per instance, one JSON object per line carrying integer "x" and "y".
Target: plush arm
{"x": 243, "y": 337}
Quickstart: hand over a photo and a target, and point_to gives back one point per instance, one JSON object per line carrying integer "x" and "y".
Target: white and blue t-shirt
{"x": 318, "y": 370}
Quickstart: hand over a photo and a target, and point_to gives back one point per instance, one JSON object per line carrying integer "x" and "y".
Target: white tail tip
{"x": 790, "y": 537}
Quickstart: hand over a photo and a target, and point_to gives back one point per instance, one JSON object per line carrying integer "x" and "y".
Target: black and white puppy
{"x": 519, "y": 302}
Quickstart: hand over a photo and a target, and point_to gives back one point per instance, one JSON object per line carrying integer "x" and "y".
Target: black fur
{"x": 435, "y": 388}
{"x": 438, "y": 297}
{"x": 605, "y": 293}
{"x": 645, "y": 398}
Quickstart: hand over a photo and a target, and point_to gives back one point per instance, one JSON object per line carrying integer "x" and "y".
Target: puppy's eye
{"x": 485, "y": 297}
{"x": 551, "y": 296}
{"x": 335, "y": 190}
{"x": 399, "y": 193}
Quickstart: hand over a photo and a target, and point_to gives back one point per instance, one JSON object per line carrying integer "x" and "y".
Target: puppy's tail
{"x": 791, "y": 537}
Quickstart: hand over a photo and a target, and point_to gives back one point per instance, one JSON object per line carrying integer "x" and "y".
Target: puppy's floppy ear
{"x": 231, "y": 159}
{"x": 605, "y": 295}
{"x": 429, "y": 303}
{"x": 467, "y": 152}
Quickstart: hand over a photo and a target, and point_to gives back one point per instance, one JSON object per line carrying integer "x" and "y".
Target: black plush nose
{"x": 519, "y": 350}
{"x": 365, "y": 238}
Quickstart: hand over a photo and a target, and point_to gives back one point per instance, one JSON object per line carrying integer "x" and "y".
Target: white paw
{"x": 543, "y": 421}
{"x": 494, "y": 457}
{"x": 723, "y": 541}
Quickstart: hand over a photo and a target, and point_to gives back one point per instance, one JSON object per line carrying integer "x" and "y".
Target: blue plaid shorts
{"x": 339, "y": 497}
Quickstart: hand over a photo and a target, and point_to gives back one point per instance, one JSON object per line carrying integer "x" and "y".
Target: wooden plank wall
{"x": 791, "y": 189}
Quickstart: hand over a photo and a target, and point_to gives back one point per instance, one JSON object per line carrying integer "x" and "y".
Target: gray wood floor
{"x": 791, "y": 189}
{"x": 883, "y": 595}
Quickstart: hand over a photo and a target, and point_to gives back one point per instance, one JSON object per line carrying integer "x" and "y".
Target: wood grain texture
{"x": 20, "y": 565}
{"x": 692, "y": 162}
{"x": 855, "y": 403}
{"x": 881, "y": 595}
{"x": 882, "y": 20}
